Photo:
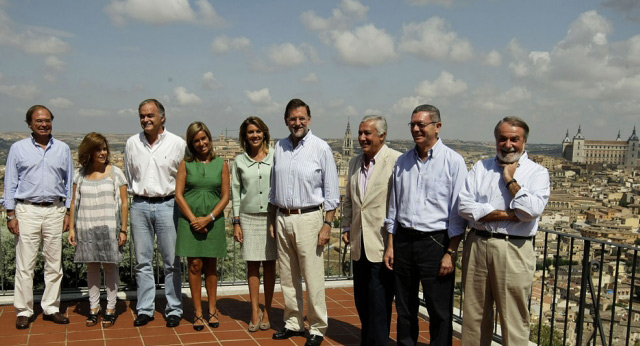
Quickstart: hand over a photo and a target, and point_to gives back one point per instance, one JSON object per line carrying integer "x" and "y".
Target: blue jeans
{"x": 150, "y": 220}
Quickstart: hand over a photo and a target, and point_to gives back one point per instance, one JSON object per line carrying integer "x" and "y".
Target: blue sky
{"x": 556, "y": 63}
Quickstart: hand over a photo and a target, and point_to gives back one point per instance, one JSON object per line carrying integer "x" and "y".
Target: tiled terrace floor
{"x": 344, "y": 326}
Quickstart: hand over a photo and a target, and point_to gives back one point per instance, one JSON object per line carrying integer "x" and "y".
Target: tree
{"x": 545, "y": 335}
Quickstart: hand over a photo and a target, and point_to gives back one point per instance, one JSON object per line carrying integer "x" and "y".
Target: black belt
{"x": 154, "y": 199}
{"x": 41, "y": 204}
{"x": 286, "y": 211}
{"x": 487, "y": 234}
{"x": 411, "y": 231}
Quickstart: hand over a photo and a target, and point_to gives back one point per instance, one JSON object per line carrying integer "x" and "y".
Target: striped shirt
{"x": 424, "y": 195}
{"x": 304, "y": 176}
{"x": 38, "y": 175}
{"x": 485, "y": 191}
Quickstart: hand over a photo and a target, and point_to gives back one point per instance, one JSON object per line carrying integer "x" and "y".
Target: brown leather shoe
{"x": 22, "y": 322}
{"x": 56, "y": 317}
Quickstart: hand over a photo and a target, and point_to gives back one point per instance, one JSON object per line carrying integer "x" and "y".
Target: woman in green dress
{"x": 202, "y": 193}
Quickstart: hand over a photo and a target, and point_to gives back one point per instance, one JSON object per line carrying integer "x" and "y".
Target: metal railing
{"x": 584, "y": 291}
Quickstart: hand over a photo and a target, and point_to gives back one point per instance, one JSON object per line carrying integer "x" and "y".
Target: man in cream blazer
{"x": 364, "y": 208}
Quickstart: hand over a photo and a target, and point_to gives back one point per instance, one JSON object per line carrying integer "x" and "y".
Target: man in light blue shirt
{"x": 37, "y": 192}
{"x": 425, "y": 228}
{"x": 304, "y": 181}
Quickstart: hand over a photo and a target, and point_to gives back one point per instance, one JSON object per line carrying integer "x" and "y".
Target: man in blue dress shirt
{"x": 304, "y": 182}
{"x": 37, "y": 191}
{"x": 425, "y": 228}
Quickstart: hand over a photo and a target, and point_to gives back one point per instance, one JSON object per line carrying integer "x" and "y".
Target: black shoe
{"x": 142, "y": 320}
{"x": 314, "y": 340}
{"x": 198, "y": 327}
{"x": 173, "y": 321}
{"x": 287, "y": 333}
{"x": 22, "y": 322}
{"x": 56, "y": 317}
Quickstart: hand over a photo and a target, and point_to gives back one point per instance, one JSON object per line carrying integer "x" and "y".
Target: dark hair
{"x": 293, "y": 104}
{"x": 434, "y": 112}
{"x": 156, "y": 102}
{"x": 244, "y": 143}
{"x": 90, "y": 144}
{"x": 513, "y": 121}
{"x": 32, "y": 110}
{"x": 192, "y": 130}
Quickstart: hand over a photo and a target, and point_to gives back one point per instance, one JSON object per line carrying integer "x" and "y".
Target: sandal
{"x": 109, "y": 318}
{"x": 92, "y": 319}
{"x": 254, "y": 327}
{"x": 215, "y": 324}
{"x": 198, "y": 327}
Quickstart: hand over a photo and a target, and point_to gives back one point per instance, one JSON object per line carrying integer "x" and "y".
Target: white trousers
{"x": 38, "y": 223}
{"x": 300, "y": 256}
{"x": 111, "y": 274}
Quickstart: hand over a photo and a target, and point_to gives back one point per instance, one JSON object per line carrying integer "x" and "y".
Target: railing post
{"x": 583, "y": 287}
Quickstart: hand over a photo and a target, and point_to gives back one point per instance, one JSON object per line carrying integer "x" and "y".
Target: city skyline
{"x": 559, "y": 65}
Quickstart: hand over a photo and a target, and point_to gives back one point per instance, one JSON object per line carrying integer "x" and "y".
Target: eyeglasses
{"x": 421, "y": 126}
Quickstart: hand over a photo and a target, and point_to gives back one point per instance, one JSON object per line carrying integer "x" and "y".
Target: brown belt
{"x": 286, "y": 211}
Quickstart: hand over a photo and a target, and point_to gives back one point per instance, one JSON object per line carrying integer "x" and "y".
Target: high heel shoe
{"x": 214, "y": 324}
{"x": 94, "y": 316}
{"x": 198, "y": 327}
{"x": 254, "y": 327}
{"x": 109, "y": 318}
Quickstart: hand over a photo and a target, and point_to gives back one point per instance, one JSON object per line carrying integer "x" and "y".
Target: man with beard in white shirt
{"x": 502, "y": 199}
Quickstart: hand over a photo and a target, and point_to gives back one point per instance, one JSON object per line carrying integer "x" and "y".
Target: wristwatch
{"x": 452, "y": 253}
{"x": 10, "y": 217}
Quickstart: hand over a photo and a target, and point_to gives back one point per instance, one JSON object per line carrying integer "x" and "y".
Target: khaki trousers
{"x": 300, "y": 256}
{"x": 500, "y": 271}
{"x": 36, "y": 223}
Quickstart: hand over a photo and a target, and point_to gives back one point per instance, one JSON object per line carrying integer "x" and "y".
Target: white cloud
{"x": 433, "y": 40}
{"x": 446, "y": 85}
{"x": 486, "y": 98}
{"x": 493, "y": 58}
{"x": 93, "y": 113}
{"x": 223, "y": 44}
{"x": 49, "y": 77}
{"x": 210, "y": 82}
{"x": 128, "y": 112}
{"x": 54, "y": 63}
{"x": 260, "y": 97}
{"x": 364, "y": 46}
{"x": 22, "y": 91}
{"x": 583, "y": 65}
{"x": 286, "y": 55}
{"x": 60, "y": 102}
{"x": 262, "y": 100}
{"x": 32, "y": 40}
{"x": 430, "y": 2}
{"x": 185, "y": 98}
{"x": 161, "y": 12}
{"x": 310, "y": 78}
{"x": 406, "y": 105}
{"x": 350, "y": 11}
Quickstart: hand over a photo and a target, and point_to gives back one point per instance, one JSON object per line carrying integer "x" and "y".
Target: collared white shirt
{"x": 304, "y": 176}
{"x": 151, "y": 170}
{"x": 485, "y": 191}
{"x": 365, "y": 172}
{"x": 424, "y": 195}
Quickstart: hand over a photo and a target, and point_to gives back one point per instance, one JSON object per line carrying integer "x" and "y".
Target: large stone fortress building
{"x": 618, "y": 152}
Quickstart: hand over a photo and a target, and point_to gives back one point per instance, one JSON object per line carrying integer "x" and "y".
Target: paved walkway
{"x": 344, "y": 326}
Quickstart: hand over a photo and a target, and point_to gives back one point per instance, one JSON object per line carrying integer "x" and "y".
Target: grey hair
{"x": 154, "y": 101}
{"x": 381, "y": 123}
{"x": 434, "y": 112}
{"x": 513, "y": 121}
